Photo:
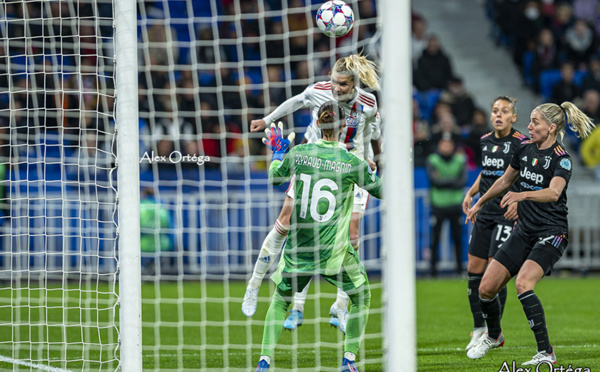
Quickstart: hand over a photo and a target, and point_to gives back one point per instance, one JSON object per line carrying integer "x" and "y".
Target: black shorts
{"x": 487, "y": 236}
{"x": 544, "y": 249}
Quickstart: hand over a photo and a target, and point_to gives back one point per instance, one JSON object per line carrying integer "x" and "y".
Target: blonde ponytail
{"x": 359, "y": 66}
{"x": 567, "y": 114}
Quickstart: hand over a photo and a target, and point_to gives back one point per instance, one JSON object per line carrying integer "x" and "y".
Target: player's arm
{"x": 296, "y": 102}
{"x": 279, "y": 170}
{"x": 547, "y": 195}
{"x": 501, "y": 185}
{"x": 368, "y": 180}
{"x": 474, "y": 190}
{"x": 375, "y": 126}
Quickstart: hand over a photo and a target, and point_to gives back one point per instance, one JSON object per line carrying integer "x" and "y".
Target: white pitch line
{"x": 25, "y": 363}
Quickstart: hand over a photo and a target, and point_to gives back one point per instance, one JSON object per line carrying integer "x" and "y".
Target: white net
{"x": 58, "y": 298}
{"x": 207, "y": 68}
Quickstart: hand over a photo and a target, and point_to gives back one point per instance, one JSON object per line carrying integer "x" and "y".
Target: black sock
{"x": 473, "y": 292}
{"x": 491, "y": 314}
{"x": 502, "y": 296}
{"x": 534, "y": 311}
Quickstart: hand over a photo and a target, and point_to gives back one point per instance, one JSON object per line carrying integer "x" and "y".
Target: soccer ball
{"x": 335, "y": 18}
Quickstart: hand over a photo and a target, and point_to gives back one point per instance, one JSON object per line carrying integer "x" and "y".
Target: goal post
{"x": 128, "y": 174}
{"x": 399, "y": 269}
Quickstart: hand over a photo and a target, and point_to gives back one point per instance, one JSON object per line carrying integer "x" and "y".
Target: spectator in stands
{"x": 433, "y": 69}
{"x": 479, "y": 127}
{"x": 421, "y": 145}
{"x": 579, "y": 42}
{"x": 440, "y": 109}
{"x": 592, "y": 79}
{"x": 530, "y": 24}
{"x": 446, "y": 127}
{"x": 297, "y": 22}
{"x": 565, "y": 89}
{"x": 546, "y": 55}
{"x": 276, "y": 86}
{"x": 591, "y": 104}
{"x": 562, "y": 20}
{"x": 459, "y": 100}
{"x": 447, "y": 173}
{"x": 156, "y": 227}
{"x": 585, "y": 10}
{"x": 274, "y": 46}
{"x": 162, "y": 47}
{"x": 419, "y": 39}
{"x": 590, "y": 152}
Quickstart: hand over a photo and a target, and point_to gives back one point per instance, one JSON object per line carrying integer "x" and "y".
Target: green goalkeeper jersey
{"x": 325, "y": 175}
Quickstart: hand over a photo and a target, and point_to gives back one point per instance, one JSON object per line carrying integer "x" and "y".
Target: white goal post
{"x": 399, "y": 271}
{"x": 130, "y": 278}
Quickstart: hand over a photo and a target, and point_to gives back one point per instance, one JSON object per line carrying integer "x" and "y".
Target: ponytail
{"x": 567, "y": 114}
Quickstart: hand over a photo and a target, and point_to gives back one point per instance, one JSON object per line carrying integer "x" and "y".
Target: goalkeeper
{"x": 362, "y": 129}
{"x": 318, "y": 241}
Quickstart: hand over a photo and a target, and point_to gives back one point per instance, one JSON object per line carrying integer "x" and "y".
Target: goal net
{"x": 207, "y": 68}
{"x": 58, "y": 293}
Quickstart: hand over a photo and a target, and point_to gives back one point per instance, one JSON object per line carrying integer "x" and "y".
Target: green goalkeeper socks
{"x": 357, "y": 322}
{"x": 274, "y": 324}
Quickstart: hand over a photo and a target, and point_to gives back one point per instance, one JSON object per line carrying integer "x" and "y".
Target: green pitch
{"x": 199, "y": 326}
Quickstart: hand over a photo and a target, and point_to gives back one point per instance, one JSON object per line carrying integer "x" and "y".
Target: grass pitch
{"x": 199, "y": 326}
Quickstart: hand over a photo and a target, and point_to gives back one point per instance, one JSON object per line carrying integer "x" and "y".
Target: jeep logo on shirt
{"x": 494, "y": 162}
{"x": 538, "y": 178}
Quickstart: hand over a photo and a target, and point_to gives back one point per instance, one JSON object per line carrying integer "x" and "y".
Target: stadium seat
{"x": 548, "y": 79}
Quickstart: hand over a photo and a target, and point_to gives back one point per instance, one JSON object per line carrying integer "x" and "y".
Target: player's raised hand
{"x": 276, "y": 142}
{"x": 256, "y": 125}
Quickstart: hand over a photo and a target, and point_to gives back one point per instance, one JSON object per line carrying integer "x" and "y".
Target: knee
{"x": 523, "y": 285}
{"x": 486, "y": 291}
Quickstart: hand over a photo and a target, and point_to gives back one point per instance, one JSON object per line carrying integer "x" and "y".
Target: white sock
{"x": 265, "y": 358}
{"x": 300, "y": 298}
{"x": 270, "y": 249}
{"x": 350, "y": 356}
{"x": 342, "y": 299}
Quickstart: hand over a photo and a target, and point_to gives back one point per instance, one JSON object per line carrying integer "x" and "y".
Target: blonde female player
{"x": 542, "y": 169}
{"x": 362, "y": 128}
{"x": 494, "y": 223}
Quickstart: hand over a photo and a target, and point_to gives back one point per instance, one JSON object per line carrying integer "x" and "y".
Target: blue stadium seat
{"x": 548, "y": 79}
{"x": 427, "y": 101}
{"x": 528, "y": 59}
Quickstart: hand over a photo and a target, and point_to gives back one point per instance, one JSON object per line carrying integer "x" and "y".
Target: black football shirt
{"x": 496, "y": 154}
{"x": 536, "y": 169}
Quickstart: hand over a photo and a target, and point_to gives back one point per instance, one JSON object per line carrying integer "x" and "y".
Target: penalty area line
{"x": 25, "y": 363}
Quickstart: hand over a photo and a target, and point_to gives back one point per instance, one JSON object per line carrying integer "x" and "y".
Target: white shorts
{"x": 361, "y": 197}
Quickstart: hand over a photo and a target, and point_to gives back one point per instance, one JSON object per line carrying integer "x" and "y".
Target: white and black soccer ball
{"x": 335, "y": 18}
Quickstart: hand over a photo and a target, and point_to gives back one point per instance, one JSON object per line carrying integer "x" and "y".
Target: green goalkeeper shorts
{"x": 351, "y": 276}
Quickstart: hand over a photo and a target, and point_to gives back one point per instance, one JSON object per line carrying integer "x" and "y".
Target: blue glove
{"x": 276, "y": 142}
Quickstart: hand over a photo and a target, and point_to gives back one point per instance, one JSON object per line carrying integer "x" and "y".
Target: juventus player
{"x": 494, "y": 224}
{"x": 542, "y": 169}
{"x": 362, "y": 128}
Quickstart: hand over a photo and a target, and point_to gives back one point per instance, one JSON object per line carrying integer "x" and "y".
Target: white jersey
{"x": 362, "y": 119}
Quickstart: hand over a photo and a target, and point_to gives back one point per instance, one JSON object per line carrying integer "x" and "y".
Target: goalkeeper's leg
{"x": 276, "y": 315}
{"x": 353, "y": 278}
{"x": 270, "y": 249}
{"x": 339, "y": 309}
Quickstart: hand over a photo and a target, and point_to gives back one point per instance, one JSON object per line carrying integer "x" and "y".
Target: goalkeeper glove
{"x": 276, "y": 142}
